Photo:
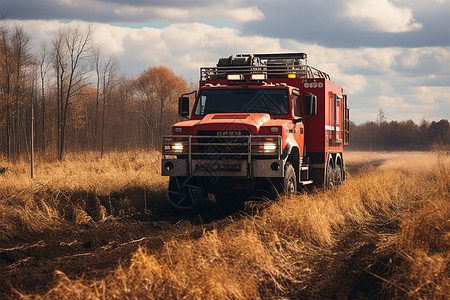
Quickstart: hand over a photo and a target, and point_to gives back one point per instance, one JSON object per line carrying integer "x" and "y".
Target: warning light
{"x": 292, "y": 76}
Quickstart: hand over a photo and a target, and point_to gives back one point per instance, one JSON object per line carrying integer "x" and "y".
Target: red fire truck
{"x": 259, "y": 123}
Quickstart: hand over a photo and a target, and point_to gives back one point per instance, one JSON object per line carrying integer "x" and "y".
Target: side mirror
{"x": 310, "y": 105}
{"x": 183, "y": 107}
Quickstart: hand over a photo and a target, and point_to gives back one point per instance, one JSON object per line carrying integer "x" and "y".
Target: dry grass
{"x": 79, "y": 188}
{"x": 412, "y": 161}
{"x": 277, "y": 251}
{"x": 86, "y": 172}
{"x": 420, "y": 251}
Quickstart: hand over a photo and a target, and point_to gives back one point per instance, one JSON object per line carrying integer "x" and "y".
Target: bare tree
{"x": 381, "y": 117}
{"x": 20, "y": 47}
{"x": 125, "y": 91}
{"x": 97, "y": 58}
{"x": 71, "y": 50}
{"x": 7, "y": 73}
{"x": 15, "y": 58}
{"x": 44, "y": 66}
{"x": 111, "y": 65}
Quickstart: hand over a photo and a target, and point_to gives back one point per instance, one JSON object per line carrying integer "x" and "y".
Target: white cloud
{"x": 380, "y": 15}
{"x": 433, "y": 95}
{"x": 73, "y": 3}
{"x": 180, "y": 14}
{"x": 352, "y": 84}
{"x": 128, "y": 11}
{"x": 412, "y": 59}
{"x": 380, "y": 59}
{"x": 112, "y": 36}
{"x": 387, "y": 101}
{"x": 426, "y": 60}
{"x": 244, "y": 14}
{"x": 184, "y": 47}
{"x": 172, "y": 13}
{"x": 431, "y": 103}
{"x": 351, "y": 61}
{"x": 212, "y": 13}
{"x": 363, "y": 114}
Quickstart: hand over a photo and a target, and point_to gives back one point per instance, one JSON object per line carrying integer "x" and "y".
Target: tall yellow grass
{"x": 72, "y": 189}
{"x": 420, "y": 251}
{"x": 274, "y": 252}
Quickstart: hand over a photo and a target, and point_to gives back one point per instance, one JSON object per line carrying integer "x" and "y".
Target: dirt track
{"x": 28, "y": 264}
{"x": 90, "y": 251}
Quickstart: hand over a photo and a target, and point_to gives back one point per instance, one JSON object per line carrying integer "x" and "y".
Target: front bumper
{"x": 223, "y": 168}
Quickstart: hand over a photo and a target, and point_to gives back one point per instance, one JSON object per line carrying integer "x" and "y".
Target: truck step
{"x": 306, "y": 182}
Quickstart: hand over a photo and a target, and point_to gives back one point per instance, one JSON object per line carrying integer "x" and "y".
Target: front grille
{"x": 222, "y": 144}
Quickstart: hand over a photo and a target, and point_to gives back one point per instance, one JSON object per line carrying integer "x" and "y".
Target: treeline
{"x": 404, "y": 135}
{"x": 74, "y": 95}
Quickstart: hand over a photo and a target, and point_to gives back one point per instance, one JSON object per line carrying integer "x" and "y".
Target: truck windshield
{"x": 271, "y": 101}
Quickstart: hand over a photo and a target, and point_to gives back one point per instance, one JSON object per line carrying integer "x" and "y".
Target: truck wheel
{"x": 290, "y": 180}
{"x": 287, "y": 185}
{"x": 329, "y": 177}
{"x": 338, "y": 175}
{"x": 184, "y": 193}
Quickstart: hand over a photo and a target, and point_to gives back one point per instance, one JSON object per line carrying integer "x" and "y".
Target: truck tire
{"x": 184, "y": 193}
{"x": 329, "y": 176}
{"x": 287, "y": 185}
{"x": 338, "y": 175}
{"x": 290, "y": 180}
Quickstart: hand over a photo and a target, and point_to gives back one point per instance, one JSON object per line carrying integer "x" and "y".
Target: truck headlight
{"x": 265, "y": 145}
{"x": 177, "y": 147}
{"x": 270, "y": 147}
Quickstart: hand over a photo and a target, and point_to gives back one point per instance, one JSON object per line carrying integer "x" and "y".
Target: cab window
{"x": 248, "y": 100}
{"x": 297, "y": 104}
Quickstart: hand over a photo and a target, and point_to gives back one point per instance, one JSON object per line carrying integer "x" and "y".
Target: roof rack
{"x": 274, "y": 65}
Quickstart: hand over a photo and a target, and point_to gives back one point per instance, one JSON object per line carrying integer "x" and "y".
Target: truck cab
{"x": 259, "y": 122}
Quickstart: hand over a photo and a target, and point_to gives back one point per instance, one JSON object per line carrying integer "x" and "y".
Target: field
{"x": 100, "y": 228}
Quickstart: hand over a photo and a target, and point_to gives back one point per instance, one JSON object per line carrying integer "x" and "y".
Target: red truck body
{"x": 257, "y": 119}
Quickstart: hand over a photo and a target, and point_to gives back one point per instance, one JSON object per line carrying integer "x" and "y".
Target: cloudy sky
{"x": 388, "y": 54}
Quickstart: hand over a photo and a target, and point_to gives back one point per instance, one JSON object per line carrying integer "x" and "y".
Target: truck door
{"x": 298, "y": 127}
